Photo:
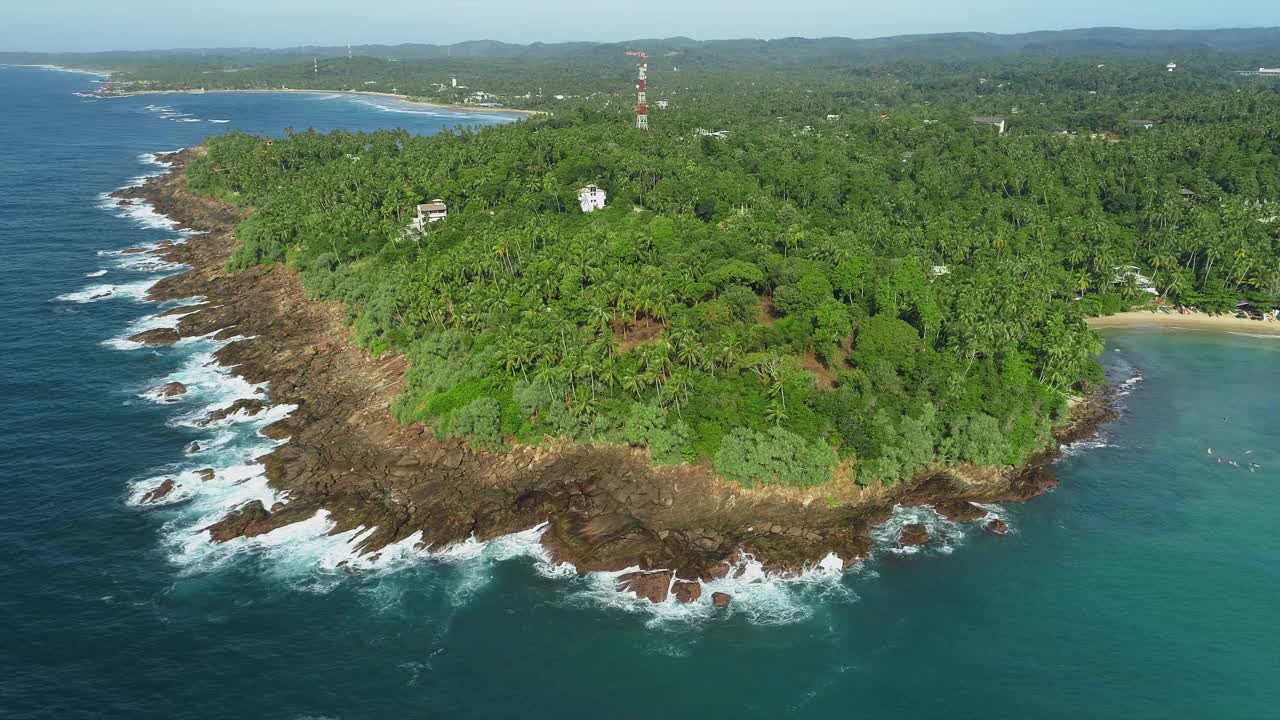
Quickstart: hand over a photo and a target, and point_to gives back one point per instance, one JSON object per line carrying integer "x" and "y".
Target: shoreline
{"x": 61, "y": 68}
{"x": 605, "y": 508}
{"x": 305, "y": 91}
{"x": 1138, "y": 319}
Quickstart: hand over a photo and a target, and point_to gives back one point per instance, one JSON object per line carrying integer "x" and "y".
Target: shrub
{"x": 778, "y": 457}
{"x": 480, "y": 421}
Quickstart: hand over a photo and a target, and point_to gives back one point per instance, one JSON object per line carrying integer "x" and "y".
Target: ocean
{"x": 1144, "y": 586}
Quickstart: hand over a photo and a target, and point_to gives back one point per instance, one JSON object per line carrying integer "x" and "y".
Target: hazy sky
{"x": 148, "y": 24}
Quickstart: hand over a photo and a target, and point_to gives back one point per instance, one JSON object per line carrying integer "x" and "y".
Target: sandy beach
{"x": 364, "y": 93}
{"x": 1195, "y": 321}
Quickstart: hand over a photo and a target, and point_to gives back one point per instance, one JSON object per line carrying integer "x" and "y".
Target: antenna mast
{"x": 642, "y": 102}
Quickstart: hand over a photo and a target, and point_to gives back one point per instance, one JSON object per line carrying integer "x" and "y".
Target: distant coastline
{"x": 306, "y": 91}
{"x": 1193, "y": 321}
{"x": 60, "y": 68}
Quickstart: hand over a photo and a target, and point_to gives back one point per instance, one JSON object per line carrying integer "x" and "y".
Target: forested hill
{"x": 795, "y": 296}
{"x": 545, "y": 76}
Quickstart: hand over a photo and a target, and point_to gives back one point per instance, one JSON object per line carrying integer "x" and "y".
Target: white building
{"x": 433, "y": 211}
{"x": 1171, "y": 67}
{"x": 591, "y": 198}
{"x": 999, "y": 123}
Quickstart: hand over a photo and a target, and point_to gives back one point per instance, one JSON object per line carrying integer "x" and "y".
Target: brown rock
{"x": 160, "y": 491}
{"x": 997, "y": 526}
{"x": 720, "y": 600}
{"x": 278, "y": 430}
{"x": 913, "y": 535}
{"x": 653, "y": 586}
{"x": 206, "y": 474}
{"x": 960, "y": 511}
{"x": 133, "y": 250}
{"x": 173, "y": 389}
{"x": 251, "y": 406}
{"x": 716, "y": 571}
{"x": 686, "y": 591}
{"x": 158, "y": 336}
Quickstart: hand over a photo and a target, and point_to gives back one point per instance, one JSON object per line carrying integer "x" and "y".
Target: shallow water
{"x": 1144, "y": 587}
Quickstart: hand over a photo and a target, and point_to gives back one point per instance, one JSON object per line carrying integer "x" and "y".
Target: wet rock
{"x": 652, "y": 586}
{"x": 997, "y": 526}
{"x": 160, "y": 491}
{"x": 173, "y": 389}
{"x": 278, "y": 430}
{"x": 721, "y": 600}
{"x": 158, "y": 336}
{"x": 716, "y": 571}
{"x": 206, "y": 475}
{"x": 192, "y": 448}
{"x": 960, "y": 511}
{"x": 133, "y": 250}
{"x": 249, "y": 406}
{"x": 913, "y": 535}
{"x": 687, "y": 592}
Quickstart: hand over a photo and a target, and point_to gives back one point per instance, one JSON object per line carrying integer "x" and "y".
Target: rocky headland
{"x": 605, "y": 507}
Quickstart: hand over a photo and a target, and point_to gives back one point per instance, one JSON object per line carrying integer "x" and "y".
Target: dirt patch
{"x": 644, "y": 331}
{"x": 810, "y": 362}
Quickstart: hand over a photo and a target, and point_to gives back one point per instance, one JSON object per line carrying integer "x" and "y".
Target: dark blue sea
{"x": 1146, "y": 586}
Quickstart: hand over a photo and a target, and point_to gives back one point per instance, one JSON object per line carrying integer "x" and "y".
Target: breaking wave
{"x": 220, "y": 471}
{"x": 135, "y": 291}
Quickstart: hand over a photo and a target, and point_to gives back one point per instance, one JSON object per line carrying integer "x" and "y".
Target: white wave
{"x": 134, "y": 291}
{"x": 1126, "y": 387}
{"x": 762, "y": 597}
{"x": 189, "y": 119}
{"x": 1256, "y": 335}
{"x": 139, "y": 211}
{"x": 143, "y": 324}
{"x": 944, "y": 535}
{"x": 96, "y": 273}
{"x": 153, "y": 158}
{"x": 1082, "y": 446}
{"x": 220, "y": 122}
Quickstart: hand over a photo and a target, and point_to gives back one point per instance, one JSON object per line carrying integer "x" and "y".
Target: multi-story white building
{"x": 591, "y": 198}
{"x": 433, "y": 211}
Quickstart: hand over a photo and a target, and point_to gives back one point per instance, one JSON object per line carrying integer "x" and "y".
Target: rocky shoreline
{"x": 605, "y": 508}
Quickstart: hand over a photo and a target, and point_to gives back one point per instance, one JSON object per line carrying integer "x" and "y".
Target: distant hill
{"x": 960, "y": 46}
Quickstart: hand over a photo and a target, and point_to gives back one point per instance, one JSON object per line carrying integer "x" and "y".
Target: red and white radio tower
{"x": 642, "y": 104}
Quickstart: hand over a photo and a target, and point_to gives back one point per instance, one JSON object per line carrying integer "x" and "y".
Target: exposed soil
{"x": 644, "y": 331}
{"x": 606, "y": 508}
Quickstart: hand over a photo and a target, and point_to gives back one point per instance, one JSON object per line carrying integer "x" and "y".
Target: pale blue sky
{"x": 147, "y": 24}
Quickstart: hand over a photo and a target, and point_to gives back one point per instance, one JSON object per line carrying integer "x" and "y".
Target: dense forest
{"x": 821, "y": 268}
{"x": 839, "y": 72}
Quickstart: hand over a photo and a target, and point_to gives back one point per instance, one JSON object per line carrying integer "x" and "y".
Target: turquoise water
{"x": 1145, "y": 586}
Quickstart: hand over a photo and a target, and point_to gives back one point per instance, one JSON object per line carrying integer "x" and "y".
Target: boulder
{"x": 158, "y": 336}
{"x": 960, "y": 511}
{"x": 913, "y": 535}
{"x": 721, "y": 600}
{"x": 193, "y": 447}
{"x": 173, "y": 389}
{"x": 716, "y": 571}
{"x": 250, "y": 406}
{"x": 686, "y": 591}
{"x": 997, "y": 526}
{"x": 160, "y": 491}
{"x": 206, "y": 474}
{"x": 652, "y": 586}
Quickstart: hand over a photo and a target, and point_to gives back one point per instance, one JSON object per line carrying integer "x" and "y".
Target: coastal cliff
{"x": 606, "y": 507}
